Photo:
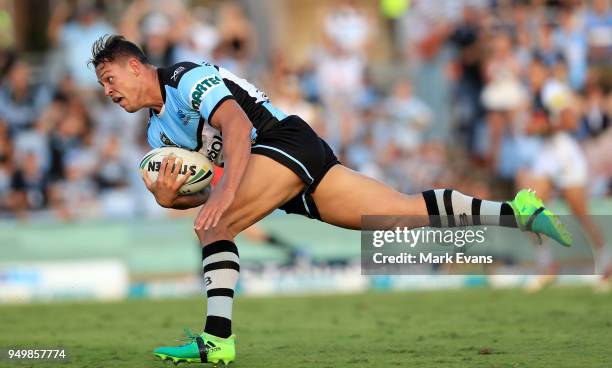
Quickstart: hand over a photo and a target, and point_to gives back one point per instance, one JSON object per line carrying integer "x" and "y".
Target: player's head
{"x": 120, "y": 67}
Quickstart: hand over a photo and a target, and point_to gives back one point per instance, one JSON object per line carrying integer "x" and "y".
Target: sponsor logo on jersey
{"x": 215, "y": 148}
{"x": 177, "y": 72}
{"x": 201, "y": 88}
{"x": 166, "y": 141}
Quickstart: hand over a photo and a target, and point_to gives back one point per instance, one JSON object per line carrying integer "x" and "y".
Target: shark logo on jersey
{"x": 184, "y": 118}
{"x": 201, "y": 88}
{"x": 177, "y": 72}
{"x": 166, "y": 141}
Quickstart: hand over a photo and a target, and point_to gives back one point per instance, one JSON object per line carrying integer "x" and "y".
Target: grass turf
{"x": 560, "y": 327}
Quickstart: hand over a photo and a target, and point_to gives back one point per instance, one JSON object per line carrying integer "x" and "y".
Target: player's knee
{"x": 213, "y": 234}
{"x": 234, "y": 229}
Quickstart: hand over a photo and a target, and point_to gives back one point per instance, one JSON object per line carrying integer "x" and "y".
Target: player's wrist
{"x": 166, "y": 200}
{"x": 227, "y": 186}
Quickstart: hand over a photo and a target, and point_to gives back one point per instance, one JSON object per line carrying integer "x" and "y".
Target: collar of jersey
{"x": 163, "y": 91}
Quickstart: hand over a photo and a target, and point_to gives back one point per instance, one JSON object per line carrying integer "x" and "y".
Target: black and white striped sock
{"x": 221, "y": 265}
{"x": 449, "y": 208}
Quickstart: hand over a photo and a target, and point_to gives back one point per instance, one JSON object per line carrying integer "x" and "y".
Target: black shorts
{"x": 295, "y": 145}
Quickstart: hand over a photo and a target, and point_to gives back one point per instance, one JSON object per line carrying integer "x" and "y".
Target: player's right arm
{"x": 166, "y": 187}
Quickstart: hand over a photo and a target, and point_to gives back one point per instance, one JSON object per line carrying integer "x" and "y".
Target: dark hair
{"x": 111, "y": 47}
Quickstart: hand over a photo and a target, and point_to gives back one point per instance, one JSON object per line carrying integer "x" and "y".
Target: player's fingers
{"x": 199, "y": 225}
{"x": 224, "y": 207}
{"x": 169, "y": 165}
{"x": 214, "y": 219}
{"x": 178, "y": 183}
{"x": 164, "y": 165}
{"x": 199, "y": 221}
{"x": 147, "y": 180}
{"x": 183, "y": 179}
{"x": 178, "y": 166}
{"x": 210, "y": 218}
{"x": 217, "y": 218}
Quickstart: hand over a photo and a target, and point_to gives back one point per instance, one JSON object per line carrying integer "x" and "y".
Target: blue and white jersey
{"x": 192, "y": 93}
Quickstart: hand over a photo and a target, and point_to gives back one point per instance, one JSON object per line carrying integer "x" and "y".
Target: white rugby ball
{"x": 196, "y": 163}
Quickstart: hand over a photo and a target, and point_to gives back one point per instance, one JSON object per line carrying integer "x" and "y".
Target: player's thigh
{"x": 265, "y": 186}
{"x": 343, "y": 196}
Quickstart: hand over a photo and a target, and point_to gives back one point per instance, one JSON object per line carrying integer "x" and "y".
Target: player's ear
{"x": 134, "y": 66}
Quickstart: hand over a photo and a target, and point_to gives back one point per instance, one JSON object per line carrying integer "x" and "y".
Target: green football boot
{"x": 531, "y": 215}
{"x": 203, "y": 348}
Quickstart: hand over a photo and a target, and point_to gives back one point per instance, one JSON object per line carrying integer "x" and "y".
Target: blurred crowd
{"x": 450, "y": 104}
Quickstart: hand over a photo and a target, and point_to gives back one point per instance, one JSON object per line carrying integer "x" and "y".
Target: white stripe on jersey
{"x": 258, "y": 95}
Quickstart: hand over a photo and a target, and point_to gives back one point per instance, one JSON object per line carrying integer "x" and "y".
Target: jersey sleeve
{"x": 154, "y": 134}
{"x": 203, "y": 90}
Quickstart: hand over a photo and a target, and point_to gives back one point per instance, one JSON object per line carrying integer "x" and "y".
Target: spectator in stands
{"x": 29, "y": 186}
{"x": 236, "y": 39}
{"x": 409, "y": 118}
{"x": 571, "y": 40}
{"x": 596, "y": 118}
{"x": 503, "y": 94}
{"x": 339, "y": 77}
{"x": 289, "y": 98}
{"x": 111, "y": 171}
{"x": 67, "y": 135}
{"x": 154, "y": 30}
{"x": 21, "y": 100}
{"x": 598, "y": 26}
{"x": 348, "y": 27}
{"x": 76, "y": 196}
{"x": 112, "y": 174}
{"x": 201, "y": 37}
{"x": 547, "y": 51}
{"x": 364, "y": 154}
{"x": 157, "y": 44}
{"x": 466, "y": 37}
{"x": 74, "y": 35}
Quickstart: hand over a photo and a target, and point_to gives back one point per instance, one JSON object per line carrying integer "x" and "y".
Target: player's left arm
{"x": 231, "y": 120}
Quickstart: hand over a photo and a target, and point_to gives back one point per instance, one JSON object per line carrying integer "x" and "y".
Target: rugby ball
{"x": 196, "y": 163}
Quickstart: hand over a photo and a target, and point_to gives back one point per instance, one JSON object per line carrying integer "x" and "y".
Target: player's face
{"x": 121, "y": 84}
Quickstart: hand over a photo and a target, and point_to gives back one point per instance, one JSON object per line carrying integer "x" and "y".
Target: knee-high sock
{"x": 449, "y": 208}
{"x": 221, "y": 266}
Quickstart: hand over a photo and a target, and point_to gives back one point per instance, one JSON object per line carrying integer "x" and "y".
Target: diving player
{"x": 271, "y": 160}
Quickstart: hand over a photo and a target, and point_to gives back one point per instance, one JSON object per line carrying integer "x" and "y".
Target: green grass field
{"x": 561, "y": 327}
